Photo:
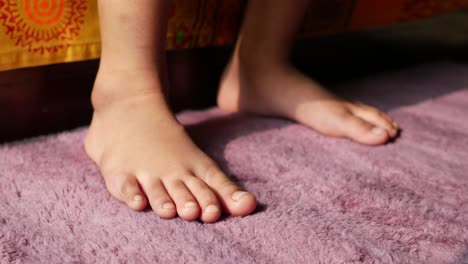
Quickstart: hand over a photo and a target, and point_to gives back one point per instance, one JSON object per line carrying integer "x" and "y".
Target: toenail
{"x": 190, "y": 204}
{"x": 211, "y": 209}
{"x": 237, "y": 196}
{"x": 168, "y": 206}
{"x": 137, "y": 198}
{"x": 377, "y": 131}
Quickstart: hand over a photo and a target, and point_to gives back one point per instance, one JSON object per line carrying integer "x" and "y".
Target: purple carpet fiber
{"x": 321, "y": 199}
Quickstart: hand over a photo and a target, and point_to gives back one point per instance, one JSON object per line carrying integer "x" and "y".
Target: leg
{"x": 144, "y": 154}
{"x": 259, "y": 79}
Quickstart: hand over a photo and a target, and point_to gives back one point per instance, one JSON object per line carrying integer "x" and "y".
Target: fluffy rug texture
{"x": 322, "y": 200}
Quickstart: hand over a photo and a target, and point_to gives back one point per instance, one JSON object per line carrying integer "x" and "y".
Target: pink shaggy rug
{"x": 323, "y": 200}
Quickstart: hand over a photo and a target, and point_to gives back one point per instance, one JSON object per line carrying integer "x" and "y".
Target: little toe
{"x": 375, "y": 117}
{"x": 233, "y": 199}
{"x": 159, "y": 199}
{"x": 126, "y": 189}
{"x": 210, "y": 208}
{"x": 362, "y": 131}
{"x": 187, "y": 206}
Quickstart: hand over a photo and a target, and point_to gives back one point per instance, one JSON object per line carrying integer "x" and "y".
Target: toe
{"x": 362, "y": 131}
{"x": 186, "y": 204}
{"x": 375, "y": 117}
{"x": 210, "y": 208}
{"x": 233, "y": 199}
{"x": 126, "y": 189}
{"x": 159, "y": 199}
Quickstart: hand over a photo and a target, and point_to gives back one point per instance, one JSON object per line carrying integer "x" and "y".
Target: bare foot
{"x": 145, "y": 155}
{"x": 280, "y": 90}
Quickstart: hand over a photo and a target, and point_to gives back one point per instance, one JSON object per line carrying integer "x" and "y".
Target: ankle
{"x": 118, "y": 85}
{"x": 254, "y": 59}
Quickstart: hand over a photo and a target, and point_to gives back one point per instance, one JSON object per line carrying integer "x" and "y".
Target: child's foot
{"x": 280, "y": 90}
{"x": 146, "y": 157}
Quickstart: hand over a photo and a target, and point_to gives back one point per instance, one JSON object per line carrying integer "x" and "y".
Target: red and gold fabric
{"x": 39, "y": 32}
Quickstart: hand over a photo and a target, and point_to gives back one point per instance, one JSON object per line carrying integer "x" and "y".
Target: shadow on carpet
{"x": 323, "y": 200}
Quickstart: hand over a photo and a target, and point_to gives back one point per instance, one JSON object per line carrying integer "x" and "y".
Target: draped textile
{"x": 39, "y": 32}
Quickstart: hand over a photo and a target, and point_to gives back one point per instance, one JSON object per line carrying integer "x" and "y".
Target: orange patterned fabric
{"x": 38, "y": 32}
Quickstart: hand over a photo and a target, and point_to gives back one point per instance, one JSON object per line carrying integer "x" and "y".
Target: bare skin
{"x": 144, "y": 154}
{"x": 259, "y": 79}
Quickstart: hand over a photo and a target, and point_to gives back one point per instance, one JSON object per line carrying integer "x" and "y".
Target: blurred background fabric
{"x": 42, "y": 32}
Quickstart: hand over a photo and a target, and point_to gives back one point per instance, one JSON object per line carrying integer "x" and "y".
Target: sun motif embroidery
{"x": 42, "y": 26}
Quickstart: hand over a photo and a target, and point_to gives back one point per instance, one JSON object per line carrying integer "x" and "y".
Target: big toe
{"x": 376, "y": 117}
{"x": 239, "y": 202}
{"x": 362, "y": 131}
{"x": 233, "y": 199}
